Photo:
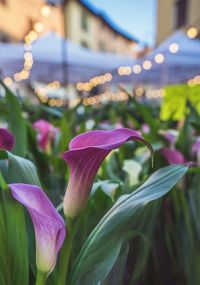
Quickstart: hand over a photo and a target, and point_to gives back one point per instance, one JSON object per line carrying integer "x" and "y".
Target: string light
{"x": 155, "y": 93}
{"x": 192, "y": 32}
{"x": 104, "y": 97}
{"x": 45, "y": 10}
{"x": 139, "y": 91}
{"x": 137, "y": 68}
{"x": 147, "y": 64}
{"x": 121, "y": 70}
{"x": 87, "y": 86}
{"x": 194, "y": 81}
{"x": 173, "y": 47}
{"x": 159, "y": 58}
{"x": 39, "y": 27}
{"x": 8, "y": 81}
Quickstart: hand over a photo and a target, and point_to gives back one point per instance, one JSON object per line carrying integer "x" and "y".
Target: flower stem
{"x": 65, "y": 253}
{"x": 41, "y": 278}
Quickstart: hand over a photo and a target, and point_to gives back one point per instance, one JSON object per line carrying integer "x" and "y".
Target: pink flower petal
{"x": 87, "y": 152}
{"x": 46, "y": 132}
{"x": 173, "y": 156}
{"x": 196, "y": 146}
{"x": 48, "y": 224}
{"x": 7, "y": 140}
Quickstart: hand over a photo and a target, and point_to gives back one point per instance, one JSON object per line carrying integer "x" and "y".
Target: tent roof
{"x": 177, "y": 67}
{"x": 59, "y": 59}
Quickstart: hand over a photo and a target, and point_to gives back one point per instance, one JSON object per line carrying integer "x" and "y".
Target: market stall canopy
{"x": 58, "y": 59}
{"x": 176, "y": 60}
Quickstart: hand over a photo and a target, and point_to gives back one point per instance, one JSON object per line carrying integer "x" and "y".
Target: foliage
{"x": 126, "y": 235}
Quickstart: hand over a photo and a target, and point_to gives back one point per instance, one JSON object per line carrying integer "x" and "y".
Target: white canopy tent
{"x": 176, "y": 68}
{"x": 58, "y": 59}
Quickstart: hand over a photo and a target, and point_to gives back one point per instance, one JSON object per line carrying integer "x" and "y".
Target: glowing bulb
{"x": 137, "y": 69}
{"x": 128, "y": 70}
{"x": 121, "y": 70}
{"x": 45, "y": 10}
{"x": 28, "y": 56}
{"x": 108, "y": 77}
{"x": 174, "y": 48}
{"x": 159, "y": 58}
{"x": 192, "y": 32}
{"x": 8, "y": 81}
{"x": 139, "y": 91}
{"x": 27, "y": 47}
{"x": 39, "y": 27}
{"x": 197, "y": 79}
{"x": 147, "y": 64}
{"x": 79, "y": 86}
{"x": 17, "y": 77}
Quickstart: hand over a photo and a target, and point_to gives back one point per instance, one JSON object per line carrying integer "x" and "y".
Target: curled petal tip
{"x": 86, "y": 153}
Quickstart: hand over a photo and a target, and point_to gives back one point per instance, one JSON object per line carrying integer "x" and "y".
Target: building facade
{"x": 93, "y": 29}
{"x": 18, "y": 17}
{"x": 77, "y": 20}
{"x": 175, "y": 14}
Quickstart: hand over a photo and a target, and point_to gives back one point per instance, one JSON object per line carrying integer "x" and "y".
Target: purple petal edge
{"x": 7, "y": 140}
{"x": 49, "y": 226}
{"x": 86, "y": 153}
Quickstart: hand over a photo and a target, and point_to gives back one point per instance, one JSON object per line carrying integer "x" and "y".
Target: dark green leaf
{"x": 112, "y": 230}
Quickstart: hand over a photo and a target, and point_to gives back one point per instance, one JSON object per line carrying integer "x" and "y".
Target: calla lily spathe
{"x": 46, "y": 133}
{"x": 86, "y": 153}
{"x": 173, "y": 156}
{"x": 196, "y": 149}
{"x": 7, "y": 140}
{"x": 48, "y": 224}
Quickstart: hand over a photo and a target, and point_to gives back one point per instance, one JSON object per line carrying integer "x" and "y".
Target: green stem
{"x": 41, "y": 278}
{"x": 65, "y": 253}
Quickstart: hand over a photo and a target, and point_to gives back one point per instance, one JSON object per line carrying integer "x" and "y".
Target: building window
{"x": 181, "y": 13}
{"x": 84, "y": 21}
{"x": 84, "y": 44}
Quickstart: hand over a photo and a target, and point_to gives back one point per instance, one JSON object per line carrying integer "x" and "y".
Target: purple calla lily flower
{"x": 145, "y": 128}
{"x": 196, "y": 149}
{"x": 171, "y": 136}
{"x": 86, "y": 153}
{"x": 46, "y": 133}
{"x": 173, "y": 156}
{"x": 7, "y": 140}
{"x": 48, "y": 224}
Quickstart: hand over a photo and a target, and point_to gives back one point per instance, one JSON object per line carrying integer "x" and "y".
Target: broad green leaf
{"x": 14, "y": 267}
{"x": 17, "y": 123}
{"x": 16, "y": 169}
{"x": 117, "y": 273}
{"x": 113, "y": 228}
{"x": 107, "y": 186}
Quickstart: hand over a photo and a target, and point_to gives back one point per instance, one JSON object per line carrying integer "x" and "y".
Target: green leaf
{"x": 17, "y": 123}
{"x": 14, "y": 267}
{"x": 117, "y": 273}
{"x": 112, "y": 230}
{"x": 16, "y": 169}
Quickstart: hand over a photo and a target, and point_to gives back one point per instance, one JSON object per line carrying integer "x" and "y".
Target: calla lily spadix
{"x": 7, "y": 140}
{"x": 86, "y": 153}
{"x": 48, "y": 224}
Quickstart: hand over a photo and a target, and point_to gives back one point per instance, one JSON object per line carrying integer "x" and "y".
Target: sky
{"x": 138, "y": 17}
